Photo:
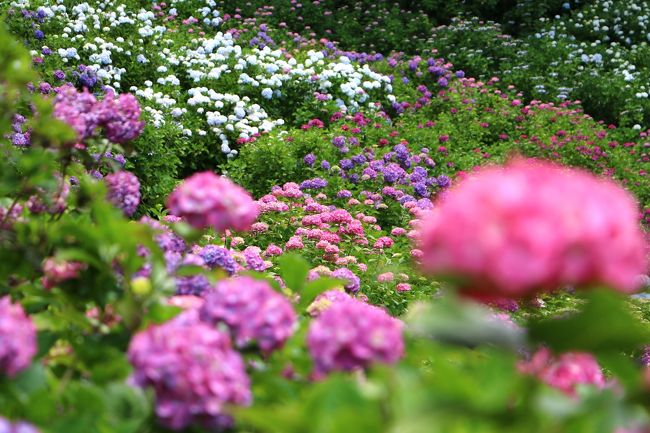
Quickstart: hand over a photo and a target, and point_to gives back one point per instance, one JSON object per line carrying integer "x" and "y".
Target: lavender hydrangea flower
{"x": 252, "y": 310}
{"x": 123, "y": 191}
{"x": 352, "y": 335}
{"x": 17, "y": 338}
{"x": 353, "y": 283}
{"x": 7, "y": 426}
{"x": 193, "y": 371}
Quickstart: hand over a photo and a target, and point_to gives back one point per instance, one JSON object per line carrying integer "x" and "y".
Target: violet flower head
{"x": 123, "y": 191}
{"x": 309, "y": 159}
{"x": 252, "y": 310}
{"x": 351, "y": 335}
{"x": 215, "y": 256}
{"x": 17, "y": 338}
{"x": 207, "y": 200}
{"x": 353, "y": 283}
{"x": 193, "y": 371}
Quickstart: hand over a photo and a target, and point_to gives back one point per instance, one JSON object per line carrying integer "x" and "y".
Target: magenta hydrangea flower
{"x": 193, "y": 370}
{"x": 207, "y": 200}
{"x": 17, "y": 338}
{"x": 252, "y": 310}
{"x": 351, "y": 334}
{"x": 123, "y": 191}
{"x": 533, "y": 226}
{"x": 77, "y": 109}
{"x": 565, "y": 372}
{"x": 120, "y": 117}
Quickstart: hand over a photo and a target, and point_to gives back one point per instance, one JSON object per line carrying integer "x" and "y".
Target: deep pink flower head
{"x": 207, "y": 200}
{"x": 532, "y": 226}
{"x": 17, "y": 338}
{"x": 123, "y": 191}
{"x": 252, "y": 310}
{"x": 351, "y": 334}
{"x": 565, "y": 372}
{"x": 192, "y": 369}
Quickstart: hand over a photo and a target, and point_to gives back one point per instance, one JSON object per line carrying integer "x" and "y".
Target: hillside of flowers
{"x": 324, "y": 216}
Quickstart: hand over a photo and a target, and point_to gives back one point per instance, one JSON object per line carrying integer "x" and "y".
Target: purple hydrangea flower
{"x": 315, "y": 183}
{"x": 344, "y": 193}
{"x": 193, "y": 371}
{"x": 192, "y": 284}
{"x": 353, "y": 283}
{"x": 252, "y": 310}
{"x": 215, "y": 256}
{"x": 309, "y": 159}
{"x": 393, "y": 173}
{"x": 254, "y": 261}
{"x": 17, "y": 338}
{"x": 325, "y": 165}
{"x": 339, "y": 141}
{"x": 123, "y": 191}
{"x": 443, "y": 181}
{"x": 352, "y": 335}
{"x": 346, "y": 164}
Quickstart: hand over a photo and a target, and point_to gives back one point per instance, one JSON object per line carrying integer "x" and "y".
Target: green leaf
{"x": 452, "y": 321}
{"x": 605, "y": 325}
{"x": 294, "y": 270}
{"x": 315, "y": 288}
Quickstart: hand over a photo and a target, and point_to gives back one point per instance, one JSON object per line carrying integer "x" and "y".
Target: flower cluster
{"x": 193, "y": 371}
{"x": 207, "y": 200}
{"x": 17, "y": 338}
{"x": 120, "y": 117}
{"x": 534, "y": 226}
{"x": 123, "y": 191}
{"x": 252, "y": 310}
{"x": 565, "y": 372}
{"x": 350, "y": 334}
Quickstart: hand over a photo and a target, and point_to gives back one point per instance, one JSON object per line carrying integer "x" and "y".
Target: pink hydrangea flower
{"x": 325, "y": 300}
{"x": 351, "y": 335}
{"x": 252, "y": 310}
{"x": 532, "y": 226}
{"x": 193, "y": 371}
{"x": 565, "y": 372}
{"x": 55, "y": 272}
{"x": 207, "y": 200}
{"x": 17, "y": 338}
